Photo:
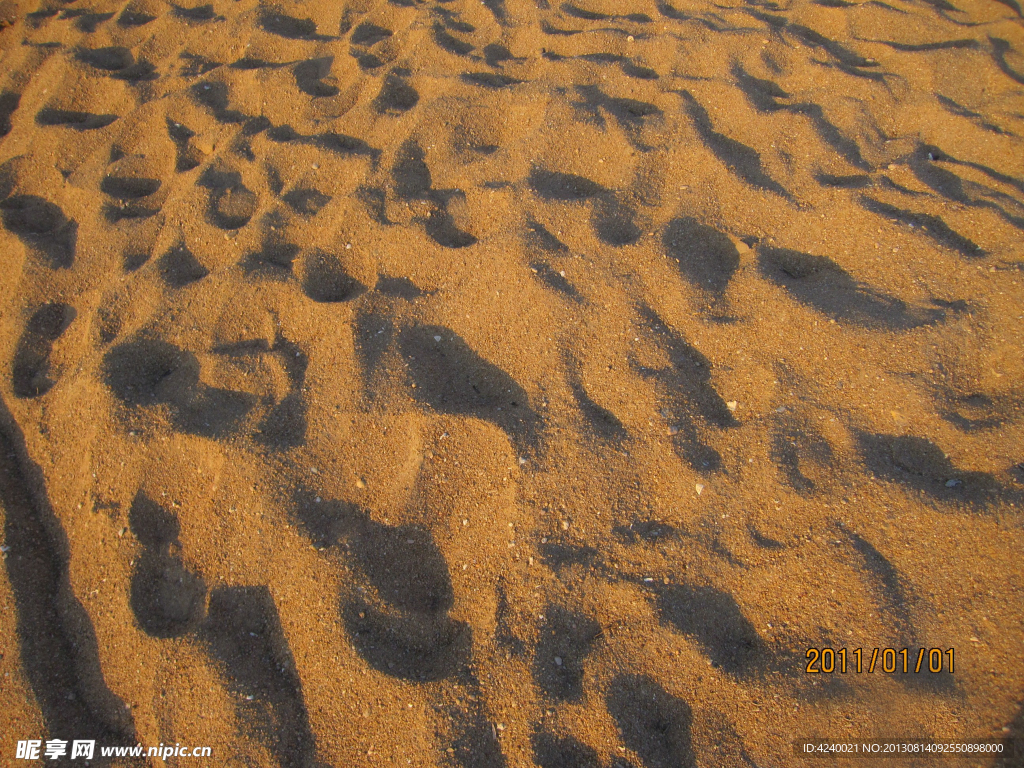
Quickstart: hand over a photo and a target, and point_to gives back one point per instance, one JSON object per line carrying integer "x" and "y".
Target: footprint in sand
{"x": 565, "y": 641}
{"x": 823, "y": 284}
{"x": 691, "y": 398}
{"x": 240, "y": 629}
{"x": 147, "y": 372}
{"x": 232, "y": 204}
{"x": 31, "y": 371}
{"x": 167, "y": 598}
{"x": 399, "y": 621}
{"x": 243, "y": 632}
{"x": 706, "y": 257}
{"x": 451, "y": 378}
{"x": 653, "y": 723}
{"x": 43, "y": 227}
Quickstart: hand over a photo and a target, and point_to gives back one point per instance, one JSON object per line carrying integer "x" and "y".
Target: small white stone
{"x": 437, "y": 338}
{"x": 700, "y": 488}
{"x": 731, "y": 405}
{"x": 558, "y": 661}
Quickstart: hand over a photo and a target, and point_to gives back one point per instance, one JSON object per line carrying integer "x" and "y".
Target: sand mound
{"x": 509, "y": 382}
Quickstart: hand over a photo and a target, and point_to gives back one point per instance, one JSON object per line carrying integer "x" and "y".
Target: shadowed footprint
{"x": 369, "y": 34}
{"x": 631, "y": 115}
{"x": 306, "y": 201}
{"x": 325, "y": 280}
{"x": 686, "y": 385}
{"x": 147, "y": 372}
{"x": 452, "y": 378}
{"x": 167, "y": 598}
{"x": 653, "y": 723}
{"x": 743, "y": 161}
{"x": 451, "y": 43}
{"x": 290, "y": 27}
{"x": 132, "y": 18}
{"x": 180, "y": 267}
{"x": 31, "y": 367}
{"x": 214, "y": 96}
{"x": 706, "y": 257}
{"x": 614, "y": 222}
{"x": 396, "y": 96}
{"x": 550, "y": 751}
{"x": 555, "y": 280}
{"x": 43, "y": 227}
{"x": 565, "y": 641}
{"x": 440, "y": 227}
{"x": 9, "y": 101}
{"x": 932, "y": 226}
{"x": 823, "y": 284}
{"x": 188, "y": 157}
{"x": 129, "y": 194}
{"x": 373, "y": 334}
{"x": 110, "y": 59}
{"x": 490, "y": 79}
{"x": 537, "y": 236}
{"x": 313, "y": 77}
{"x": 243, "y": 632}
{"x": 199, "y": 14}
{"x": 410, "y": 172}
{"x": 567, "y": 187}
{"x": 401, "y": 625}
{"x": 273, "y": 260}
{"x": 118, "y": 62}
{"x": 232, "y": 204}
{"x": 128, "y": 188}
{"x": 714, "y": 620}
{"x": 805, "y": 456}
{"x": 765, "y": 96}
{"x": 604, "y": 424}
{"x": 919, "y": 463}
{"x": 80, "y": 121}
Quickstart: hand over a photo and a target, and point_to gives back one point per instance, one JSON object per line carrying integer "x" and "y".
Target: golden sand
{"x": 517, "y": 383}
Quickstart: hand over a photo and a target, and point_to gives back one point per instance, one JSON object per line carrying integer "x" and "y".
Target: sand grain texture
{"x": 509, "y": 383}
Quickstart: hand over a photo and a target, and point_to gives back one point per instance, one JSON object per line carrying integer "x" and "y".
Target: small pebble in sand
{"x": 360, "y": 483}
{"x": 731, "y": 405}
{"x": 673, "y": 430}
{"x": 565, "y": 525}
{"x": 558, "y": 661}
{"x": 465, "y": 522}
{"x": 437, "y": 338}
{"x": 700, "y": 488}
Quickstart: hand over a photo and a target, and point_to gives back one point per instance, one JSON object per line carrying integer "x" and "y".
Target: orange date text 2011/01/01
{"x": 889, "y": 660}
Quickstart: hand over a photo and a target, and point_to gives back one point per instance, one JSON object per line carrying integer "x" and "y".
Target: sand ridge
{"x": 509, "y": 382}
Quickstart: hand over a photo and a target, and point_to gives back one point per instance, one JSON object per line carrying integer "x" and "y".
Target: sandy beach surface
{"x": 513, "y": 382}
